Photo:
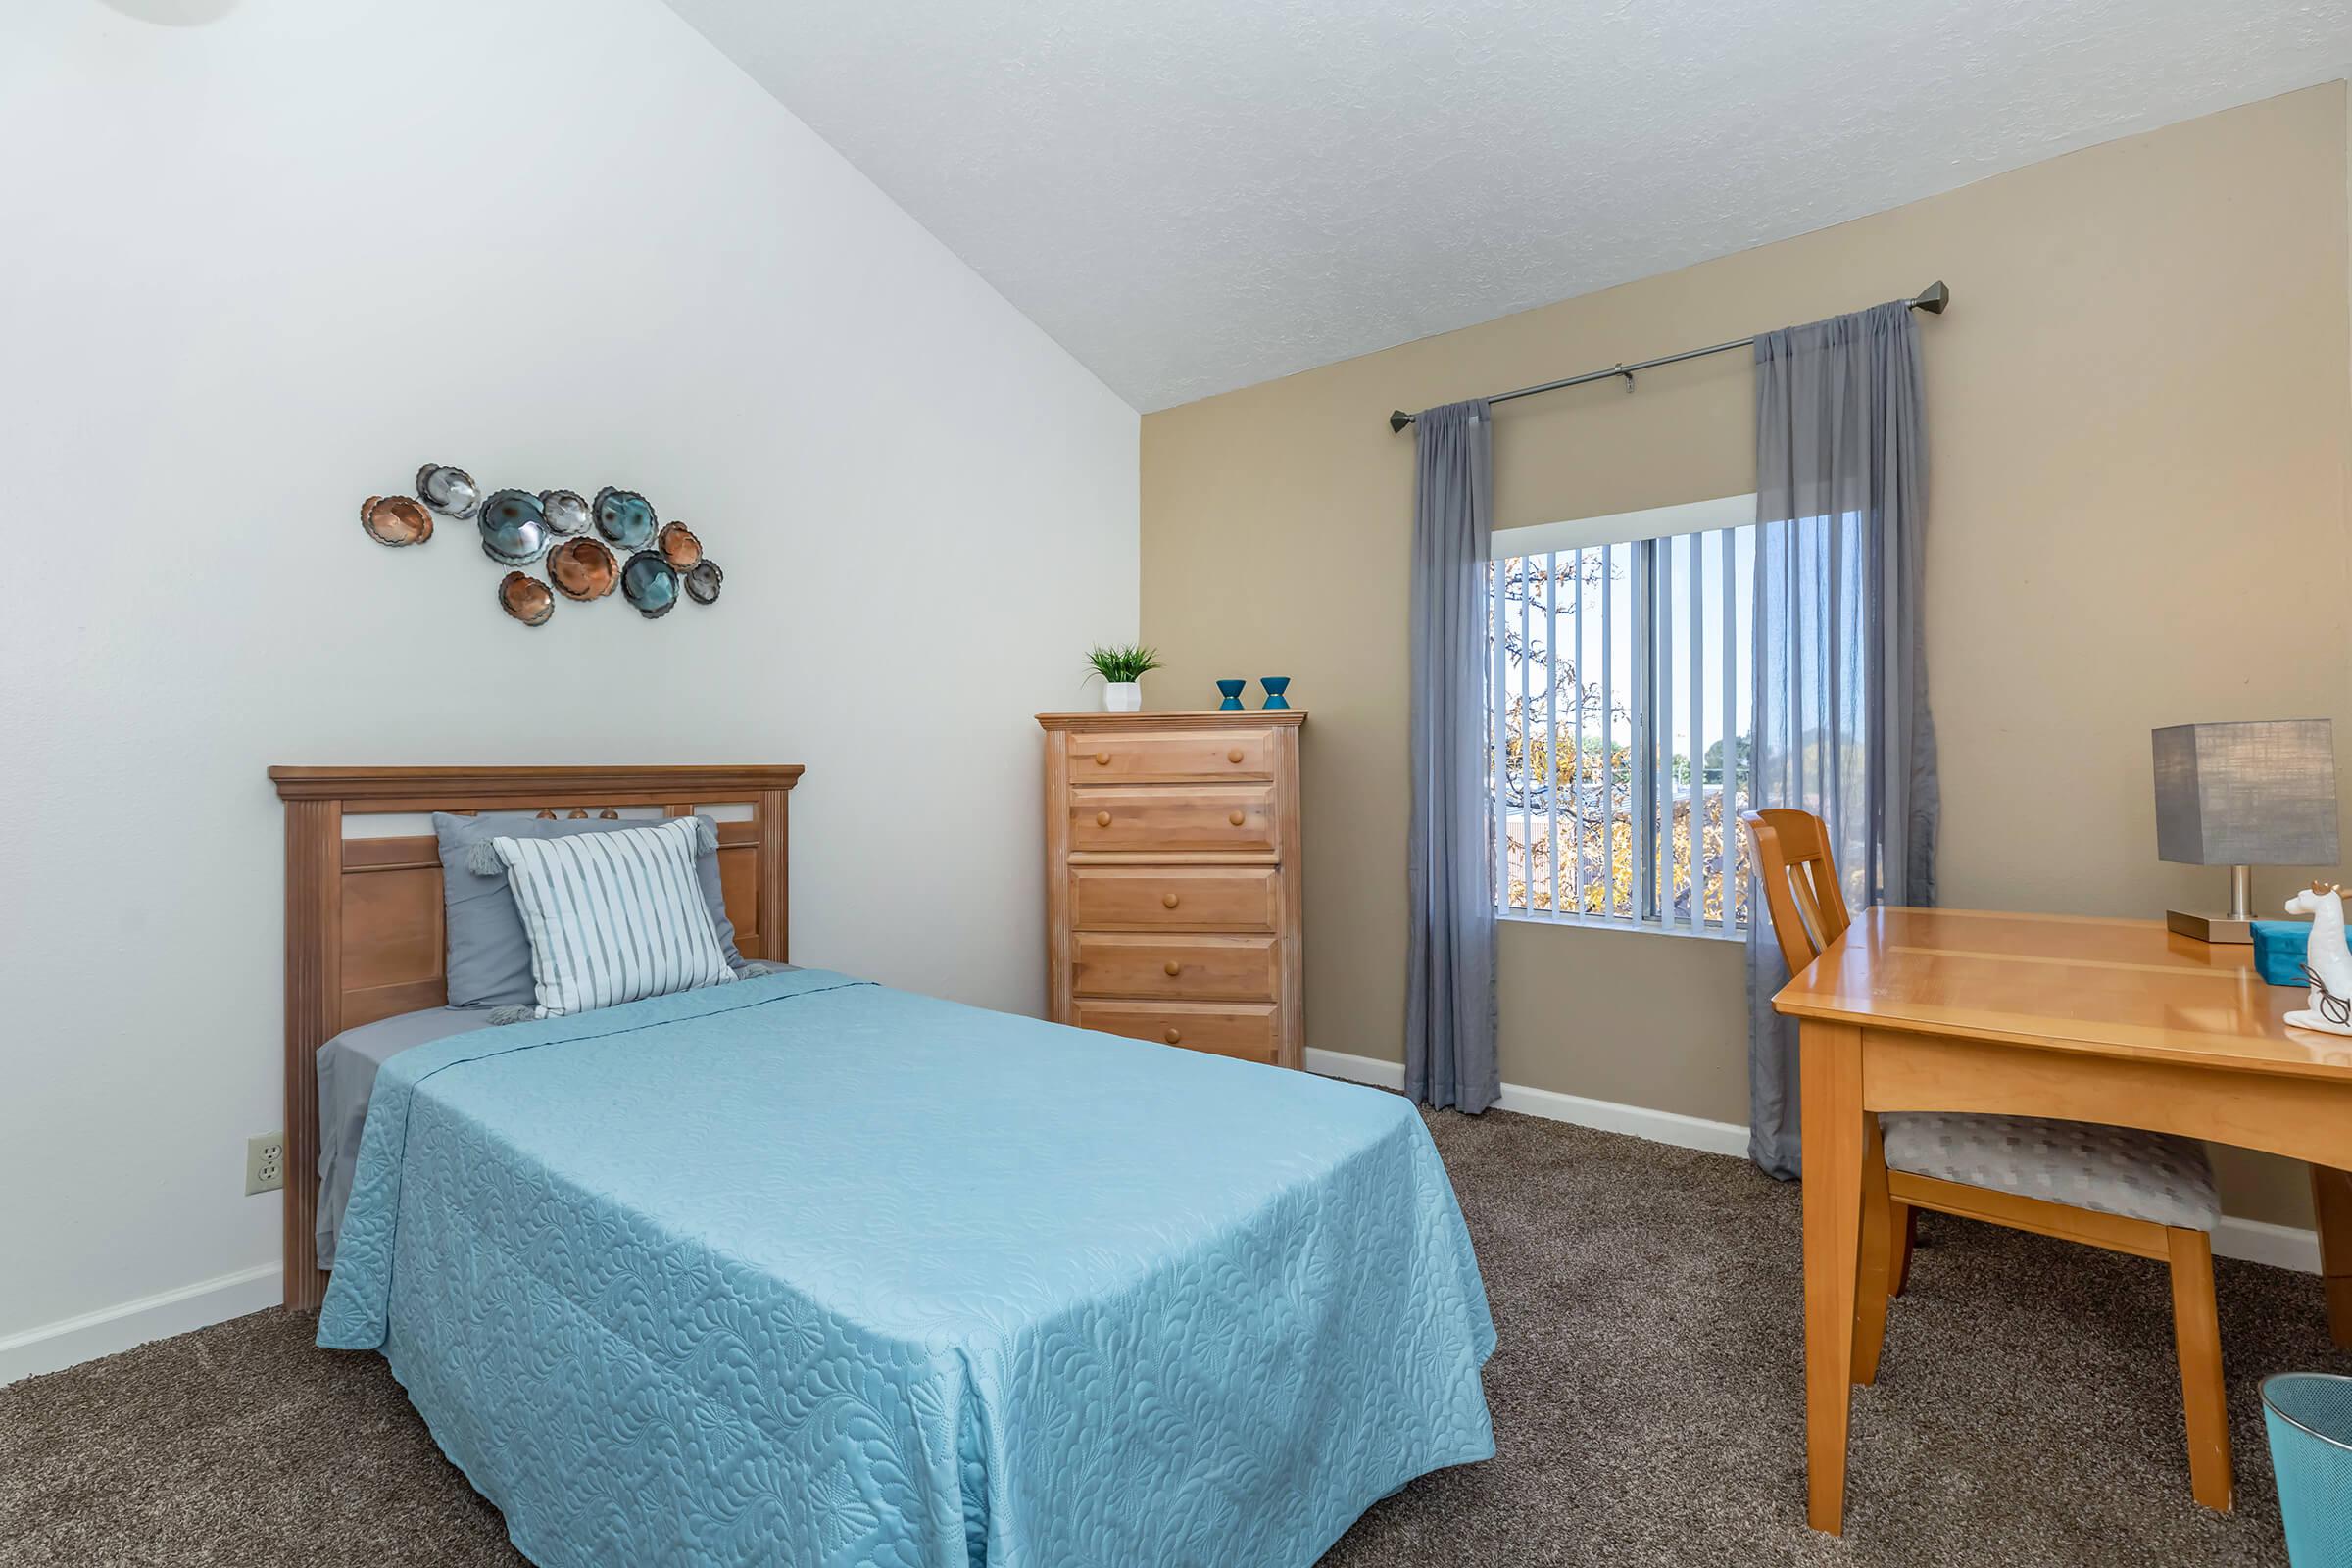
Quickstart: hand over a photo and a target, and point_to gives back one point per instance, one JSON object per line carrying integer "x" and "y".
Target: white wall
{"x": 253, "y": 271}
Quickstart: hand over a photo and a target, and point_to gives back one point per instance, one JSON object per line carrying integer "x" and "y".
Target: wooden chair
{"x": 2146, "y": 1194}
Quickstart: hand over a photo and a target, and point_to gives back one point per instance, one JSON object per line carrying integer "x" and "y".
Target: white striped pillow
{"x": 613, "y": 916}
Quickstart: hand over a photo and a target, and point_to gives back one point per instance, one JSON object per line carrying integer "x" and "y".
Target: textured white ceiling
{"x": 1192, "y": 197}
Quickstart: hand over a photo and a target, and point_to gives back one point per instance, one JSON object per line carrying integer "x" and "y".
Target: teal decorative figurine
{"x": 1275, "y": 686}
{"x": 1232, "y": 690}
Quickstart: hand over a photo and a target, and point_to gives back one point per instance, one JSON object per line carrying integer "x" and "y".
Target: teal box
{"x": 2280, "y": 949}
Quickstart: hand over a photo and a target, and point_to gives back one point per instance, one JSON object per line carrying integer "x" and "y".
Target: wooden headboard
{"x": 363, "y": 930}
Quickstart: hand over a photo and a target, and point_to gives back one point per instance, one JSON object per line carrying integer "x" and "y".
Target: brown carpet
{"x": 1646, "y": 1399}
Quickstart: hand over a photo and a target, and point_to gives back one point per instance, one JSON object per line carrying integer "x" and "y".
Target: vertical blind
{"x": 1618, "y": 697}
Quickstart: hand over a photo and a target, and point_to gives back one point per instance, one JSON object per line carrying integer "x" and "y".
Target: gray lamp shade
{"x": 2256, "y": 794}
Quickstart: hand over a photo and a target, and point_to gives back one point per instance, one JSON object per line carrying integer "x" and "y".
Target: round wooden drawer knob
{"x": 1101, "y": 758}
{"x": 1237, "y": 819}
{"x": 1172, "y": 966}
{"x": 1234, "y": 756}
{"x": 1167, "y": 901}
{"x": 1175, "y": 1036}
{"x": 1101, "y": 819}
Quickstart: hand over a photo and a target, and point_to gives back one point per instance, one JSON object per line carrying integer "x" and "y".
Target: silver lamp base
{"x": 2214, "y": 928}
{"x": 2235, "y": 924}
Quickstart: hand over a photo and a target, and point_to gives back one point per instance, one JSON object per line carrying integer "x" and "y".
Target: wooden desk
{"x": 2116, "y": 1021}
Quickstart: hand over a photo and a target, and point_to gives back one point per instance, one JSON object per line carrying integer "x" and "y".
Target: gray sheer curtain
{"x": 1449, "y": 983}
{"x": 1841, "y": 695}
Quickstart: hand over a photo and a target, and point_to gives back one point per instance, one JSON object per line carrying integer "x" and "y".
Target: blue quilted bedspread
{"x": 803, "y": 1270}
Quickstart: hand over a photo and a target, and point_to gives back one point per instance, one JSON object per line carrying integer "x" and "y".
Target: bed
{"x": 804, "y": 1269}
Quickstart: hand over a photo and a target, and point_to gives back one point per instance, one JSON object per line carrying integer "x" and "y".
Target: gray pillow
{"x": 489, "y": 955}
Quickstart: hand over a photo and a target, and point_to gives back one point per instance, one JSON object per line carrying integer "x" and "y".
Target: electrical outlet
{"x": 264, "y": 1164}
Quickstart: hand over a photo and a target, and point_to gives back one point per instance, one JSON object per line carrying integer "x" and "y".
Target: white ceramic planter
{"x": 1123, "y": 696}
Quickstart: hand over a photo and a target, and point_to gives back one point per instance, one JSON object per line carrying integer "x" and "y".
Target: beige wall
{"x": 2137, "y": 411}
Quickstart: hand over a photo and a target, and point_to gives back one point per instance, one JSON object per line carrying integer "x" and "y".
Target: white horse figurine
{"x": 2327, "y": 964}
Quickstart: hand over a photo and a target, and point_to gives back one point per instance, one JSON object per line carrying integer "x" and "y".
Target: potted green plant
{"x": 1122, "y": 668}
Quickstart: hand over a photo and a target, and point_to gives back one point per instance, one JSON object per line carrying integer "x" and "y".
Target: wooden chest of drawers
{"x": 1172, "y": 890}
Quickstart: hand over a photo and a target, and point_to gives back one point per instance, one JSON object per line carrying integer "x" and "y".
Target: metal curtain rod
{"x": 1932, "y": 299}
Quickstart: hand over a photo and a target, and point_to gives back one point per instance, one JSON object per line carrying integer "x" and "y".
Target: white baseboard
{"x": 1606, "y": 1115}
{"x": 1357, "y": 1069}
{"x": 54, "y": 1346}
{"x": 2260, "y": 1242}
{"x": 2256, "y": 1241}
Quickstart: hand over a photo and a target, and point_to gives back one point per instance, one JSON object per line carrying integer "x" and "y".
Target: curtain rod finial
{"x": 1398, "y": 420}
{"x": 1933, "y": 299}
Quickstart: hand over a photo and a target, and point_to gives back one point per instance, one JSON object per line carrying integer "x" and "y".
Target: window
{"x": 1618, "y": 691}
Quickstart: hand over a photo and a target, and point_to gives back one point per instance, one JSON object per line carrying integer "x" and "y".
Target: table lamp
{"x": 2242, "y": 796}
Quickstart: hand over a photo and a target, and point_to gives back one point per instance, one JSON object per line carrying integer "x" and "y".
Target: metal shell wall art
{"x": 679, "y": 547}
{"x": 566, "y": 511}
{"x": 651, "y": 584}
{"x": 626, "y": 518}
{"x": 583, "y": 570}
{"x": 449, "y": 491}
{"x": 514, "y": 528}
{"x": 526, "y": 598}
{"x": 395, "y": 521}
{"x": 586, "y": 550}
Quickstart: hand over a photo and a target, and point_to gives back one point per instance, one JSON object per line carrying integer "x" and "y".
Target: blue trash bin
{"x": 2310, "y": 1418}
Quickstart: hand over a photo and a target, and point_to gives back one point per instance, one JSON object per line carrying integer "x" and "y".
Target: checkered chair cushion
{"x": 2116, "y": 1170}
